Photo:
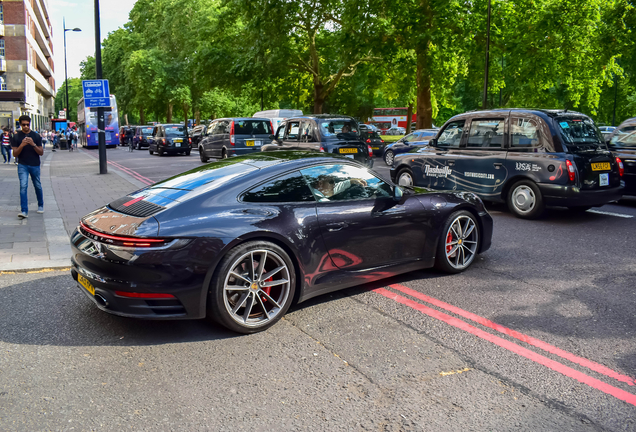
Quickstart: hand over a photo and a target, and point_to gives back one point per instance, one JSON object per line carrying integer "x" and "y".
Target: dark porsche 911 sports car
{"x": 239, "y": 240}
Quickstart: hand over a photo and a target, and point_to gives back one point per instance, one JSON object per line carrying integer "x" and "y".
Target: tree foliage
{"x": 178, "y": 59}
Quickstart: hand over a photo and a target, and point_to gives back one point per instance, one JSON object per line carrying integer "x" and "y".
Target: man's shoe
{"x": 41, "y": 209}
{"x": 23, "y": 215}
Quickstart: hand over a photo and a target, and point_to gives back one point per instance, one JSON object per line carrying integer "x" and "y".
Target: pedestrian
{"x": 55, "y": 138}
{"x": 6, "y": 145}
{"x": 44, "y": 139}
{"x": 27, "y": 145}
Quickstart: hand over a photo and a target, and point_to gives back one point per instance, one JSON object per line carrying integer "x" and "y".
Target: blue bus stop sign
{"x": 96, "y": 93}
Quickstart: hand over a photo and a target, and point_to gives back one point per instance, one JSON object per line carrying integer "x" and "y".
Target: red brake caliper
{"x": 449, "y": 240}
{"x": 267, "y": 289}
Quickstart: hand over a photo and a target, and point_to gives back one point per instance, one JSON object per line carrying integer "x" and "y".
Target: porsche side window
{"x": 452, "y": 135}
{"x": 487, "y": 133}
{"x": 524, "y": 133}
{"x": 344, "y": 182}
{"x": 291, "y": 187}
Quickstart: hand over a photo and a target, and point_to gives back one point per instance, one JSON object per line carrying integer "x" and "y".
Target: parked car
{"x": 528, "y": 158}
{"x": 170, "y": 139}
{"x": 369, "y": 128}
{"x": 396, "y": 130}
{"x": 606, "y": 131}
{"x": 277, "y": 116}
{"x": 197, "y": 134}
{"x": 228, "y": 137}
{"x": 126, "y": 134}
{"x": 409, "y": 143}
{"x": 238, "y": 241}
{"x": 624, "y": 147}
{"x": 625, "y": 127}
{"x": 329, "y": 133}
{"x": 373, "y": 139}
{"x": 143, "y": 136}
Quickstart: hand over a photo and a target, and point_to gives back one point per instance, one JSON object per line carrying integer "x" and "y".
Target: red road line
{"x": 596, "y": 367}
{"x": 135, "y": 174}
{"x": 524, "y": 352}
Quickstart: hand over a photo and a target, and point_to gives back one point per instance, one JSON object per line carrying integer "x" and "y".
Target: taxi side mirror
{"x": 433, "y": 142}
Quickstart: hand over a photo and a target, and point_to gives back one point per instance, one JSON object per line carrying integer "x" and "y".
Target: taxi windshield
{"x": 581, "y": 133}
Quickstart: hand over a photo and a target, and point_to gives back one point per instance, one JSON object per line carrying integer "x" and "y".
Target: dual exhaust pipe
{"x": 101, "y": 300}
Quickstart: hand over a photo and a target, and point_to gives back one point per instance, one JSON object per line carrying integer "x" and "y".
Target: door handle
{"x": 498, "y": 165}
{"x": 451, "y": 162}
{"x": 337, "y": 226}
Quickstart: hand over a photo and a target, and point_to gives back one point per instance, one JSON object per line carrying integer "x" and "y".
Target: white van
{"x": 277, "y": 116}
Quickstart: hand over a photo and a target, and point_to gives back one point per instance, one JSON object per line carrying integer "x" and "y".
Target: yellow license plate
{"x": 375, "y": 148}
{"x": 353, "y": 150}
{"x": 249, "y": 143}
{"x": 178, "y": 140}
{"x": 601, "y": 166}
{"x": 86, "y": 284}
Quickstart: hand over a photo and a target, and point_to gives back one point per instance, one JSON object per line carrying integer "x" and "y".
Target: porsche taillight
{"x": 571, "y": 170}
{"x": 134, "y": 242}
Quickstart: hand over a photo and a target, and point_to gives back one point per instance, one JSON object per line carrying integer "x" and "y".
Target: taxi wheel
{"x": 405, "y": 178}
{"x": 389, "y": 157}
{"x": 202, "y": 155}
{"x": 187, "y": 153}
{"x": 252, "y": 288}
{"x": 459, "y": 243}
{"x": 525, "y": 200}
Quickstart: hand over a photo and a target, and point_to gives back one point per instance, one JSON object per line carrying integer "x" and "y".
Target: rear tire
{"x": 525, "y": 200}
{"x": 264, "y": 282}
{"x": 223, "y": 154}
{"x": 459, "y": 243}
{"x": 149, "y": 151}
{"x": 160, "y": 152}
{"x": 187, "y": 153}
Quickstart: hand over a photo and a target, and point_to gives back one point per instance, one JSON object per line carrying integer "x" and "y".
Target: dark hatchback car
{"x": 409, "y": 143}
{"x": 239, "y": 240}
{"x": 170, "y": 139}
{"x": 374, "y": 140}
{"x": 527, "y": 158}
{"x": 143, "y": 136}
{"x": 624, "y": 147}
{"x": 326, "y": 133}
{"x": 234, "y": 137}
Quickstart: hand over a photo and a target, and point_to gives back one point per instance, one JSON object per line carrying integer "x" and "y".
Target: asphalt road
{"x": 540, "y": 334}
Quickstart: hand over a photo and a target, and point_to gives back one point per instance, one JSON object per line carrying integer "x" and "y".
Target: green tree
{"x": 74, "y": 95}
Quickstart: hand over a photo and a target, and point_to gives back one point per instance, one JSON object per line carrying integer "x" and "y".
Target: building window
{"x": 1, "y": 13}
{"x": 1, "y": 47}
{"x": 3, "y": 83}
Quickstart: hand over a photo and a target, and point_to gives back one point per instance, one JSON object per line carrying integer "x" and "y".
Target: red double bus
{"x": 386, "y": 118}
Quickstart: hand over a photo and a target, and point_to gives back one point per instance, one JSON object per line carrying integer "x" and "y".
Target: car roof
{"x": 323, "y": 117}
{"x": 243, "y": 118}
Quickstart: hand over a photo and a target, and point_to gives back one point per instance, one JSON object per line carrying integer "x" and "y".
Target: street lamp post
{"x": 484, "y": 104}
{"x": 65, "y": 68}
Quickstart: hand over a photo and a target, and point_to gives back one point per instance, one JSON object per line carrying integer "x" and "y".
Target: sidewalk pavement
{"x": 72, "y": 187}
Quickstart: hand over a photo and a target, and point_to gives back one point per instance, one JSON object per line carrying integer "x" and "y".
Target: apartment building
{"x": 27, "y": 85}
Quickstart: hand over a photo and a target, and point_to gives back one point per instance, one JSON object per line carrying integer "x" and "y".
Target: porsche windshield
{"x": 580, "y": 133}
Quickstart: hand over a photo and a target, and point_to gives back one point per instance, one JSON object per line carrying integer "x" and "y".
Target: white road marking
{"x": 611, "y": 214}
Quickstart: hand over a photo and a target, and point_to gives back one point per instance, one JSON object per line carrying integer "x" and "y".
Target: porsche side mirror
{"x": 398, "y": 194}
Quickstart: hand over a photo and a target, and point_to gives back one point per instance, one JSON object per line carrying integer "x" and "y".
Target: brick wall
{"x": 14, "y": 13}
{"x": 15, "y": 47}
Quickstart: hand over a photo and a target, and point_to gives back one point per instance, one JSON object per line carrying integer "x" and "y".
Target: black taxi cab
{"x": 529, "y": 159}
{"x": 329, "y": 133}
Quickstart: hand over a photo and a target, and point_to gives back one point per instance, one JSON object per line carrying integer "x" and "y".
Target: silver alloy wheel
{"x": 523, "y": 199}
{"x": 388, "y": 158}
{"x": 251, "y": 294}
{"x": 405, "y": 179}
{"x": 462, "y": 239}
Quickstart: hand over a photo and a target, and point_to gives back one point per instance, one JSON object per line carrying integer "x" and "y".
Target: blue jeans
{"x": 23, "y": 173}
{"x": 6, "y": 152}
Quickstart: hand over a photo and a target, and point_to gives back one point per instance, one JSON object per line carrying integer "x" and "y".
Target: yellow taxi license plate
{"x": 178, "y": 140}
{"x": 86, "y": 284}
{"x": 375, "y": 148}
{"x": 349, "y": 150}
{"x": 601, "y": 166}
{"x": 249, "y": 143}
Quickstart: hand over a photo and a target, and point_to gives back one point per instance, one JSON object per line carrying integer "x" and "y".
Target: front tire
{"x": 459, "y": 243}
{"x": 405, "y": 178}
{"x": 389, "y": 157}
{"x": 252, "y": 288}
{"x": 525, "y": 200}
